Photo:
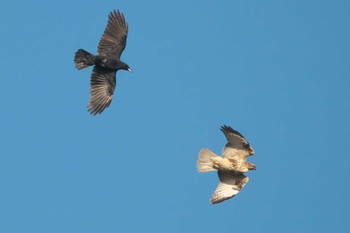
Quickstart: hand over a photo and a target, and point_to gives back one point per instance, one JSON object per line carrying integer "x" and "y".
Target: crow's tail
{"x": 83, "y": 59}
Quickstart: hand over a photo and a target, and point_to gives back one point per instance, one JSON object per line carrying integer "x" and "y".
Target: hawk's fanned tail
{"x": 83, "y": 59}
{"x": 205, "y": 163}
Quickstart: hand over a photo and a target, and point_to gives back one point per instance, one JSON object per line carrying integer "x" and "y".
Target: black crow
{"x": 106, "y": 63}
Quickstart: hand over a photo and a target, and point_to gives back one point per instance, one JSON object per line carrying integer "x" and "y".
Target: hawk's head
{"x": 248, "y": 147}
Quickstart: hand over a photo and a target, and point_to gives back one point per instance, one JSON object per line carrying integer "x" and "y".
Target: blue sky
{"x": 277, "y": 71}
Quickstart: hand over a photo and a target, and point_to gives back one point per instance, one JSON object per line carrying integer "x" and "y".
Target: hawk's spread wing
{"x": 230, "y": 185}
{"x": 237, "y": 146}
{"x": 113, "y": 40}
{"x": 102, "y": 85}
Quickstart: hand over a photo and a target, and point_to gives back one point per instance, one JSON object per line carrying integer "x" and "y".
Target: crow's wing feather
{"x": 102, "y": 85}
{"x": 113, "y": 40}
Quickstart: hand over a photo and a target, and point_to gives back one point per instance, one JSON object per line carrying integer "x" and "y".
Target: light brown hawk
{"x": 230, "y": 166}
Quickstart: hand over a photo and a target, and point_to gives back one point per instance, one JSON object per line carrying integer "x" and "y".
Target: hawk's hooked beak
{"x": 130, "y": 70}
{"x": 252, "y": 151}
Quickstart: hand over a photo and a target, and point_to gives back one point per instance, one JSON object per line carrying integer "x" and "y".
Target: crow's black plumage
{"x": 106, "y": 63}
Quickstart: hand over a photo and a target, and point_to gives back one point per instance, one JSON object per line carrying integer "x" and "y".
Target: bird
{"x": 106, "y": 63}
{"x": 231, "y": 166}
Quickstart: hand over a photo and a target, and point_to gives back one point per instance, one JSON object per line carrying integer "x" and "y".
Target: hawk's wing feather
{"x": 230, "y": 185}
{"x": 113, "y": 40}
{"x": 102, "y": 85}
{"x": 237, "y": 146}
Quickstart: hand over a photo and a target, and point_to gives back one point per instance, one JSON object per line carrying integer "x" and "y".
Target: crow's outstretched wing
{"x": 113, "y": 40}
{"x": 102, "y": 85}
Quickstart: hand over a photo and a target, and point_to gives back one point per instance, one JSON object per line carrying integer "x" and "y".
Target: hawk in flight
{"x": 230, "y": 166}
{"x": 106, "y": 63}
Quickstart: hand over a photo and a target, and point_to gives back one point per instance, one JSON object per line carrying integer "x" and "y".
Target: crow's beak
{"x": 130, "y": 70}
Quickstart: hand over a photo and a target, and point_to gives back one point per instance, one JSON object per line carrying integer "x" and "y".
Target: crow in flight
{"x": 106, "y": 63}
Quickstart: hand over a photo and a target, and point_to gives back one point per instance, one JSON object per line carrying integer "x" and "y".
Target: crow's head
{"x": 126, "y": 67}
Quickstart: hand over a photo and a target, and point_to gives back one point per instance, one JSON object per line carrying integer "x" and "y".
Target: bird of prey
{"x": 106, "y": 63}
{"x": 230, "y": 166}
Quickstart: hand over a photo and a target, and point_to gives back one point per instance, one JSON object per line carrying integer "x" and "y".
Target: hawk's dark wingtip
{"x": 228, "y": 129}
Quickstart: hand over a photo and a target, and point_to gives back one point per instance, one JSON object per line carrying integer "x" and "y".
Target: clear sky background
{"x": 277, "y": 71}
